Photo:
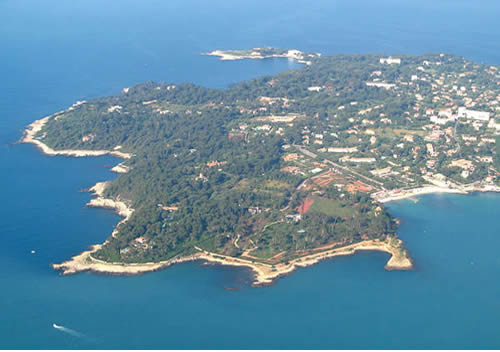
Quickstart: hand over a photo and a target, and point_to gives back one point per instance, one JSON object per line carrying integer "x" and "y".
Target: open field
{"x": 331, "y": 207}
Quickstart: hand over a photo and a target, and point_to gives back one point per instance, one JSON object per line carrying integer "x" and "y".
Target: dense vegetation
{"x": 201, "y": 151}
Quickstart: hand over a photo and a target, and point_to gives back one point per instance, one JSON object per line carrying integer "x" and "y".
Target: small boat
{"x": 55, "y": 326}
{"x": 229, "y": 288}
{"x": 33, "y": 251}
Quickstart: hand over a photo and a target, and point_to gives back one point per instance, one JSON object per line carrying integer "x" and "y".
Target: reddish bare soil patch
{"x": 304, "y": 207}
{"x": 324, "y": 179}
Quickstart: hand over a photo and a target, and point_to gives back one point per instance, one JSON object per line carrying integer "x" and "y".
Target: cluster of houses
{"x": 441, "y": 137}
{"x": 458, "y": 112}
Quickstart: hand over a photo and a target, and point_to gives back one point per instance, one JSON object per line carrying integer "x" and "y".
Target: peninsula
{"x": 282, "y": 171}
{"x": 264, "y": 53}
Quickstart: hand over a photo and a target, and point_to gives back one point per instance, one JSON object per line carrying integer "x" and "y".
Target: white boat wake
{"x": 67, "y": 330}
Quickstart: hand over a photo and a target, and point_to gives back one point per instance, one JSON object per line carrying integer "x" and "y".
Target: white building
{"x": 357, "y": 160}
{"x": 442, "y": 120}
{"x": 380, "y": 85}
{"x": 381, "y": 172}
{"x": 494, "y": 125}
{"x": 314, "y": 89}
{"x": 473, "y": 114}
{"x": 263, "y": 128}
{"x": 342, "y": 150}
{"x": 389, "y": 60}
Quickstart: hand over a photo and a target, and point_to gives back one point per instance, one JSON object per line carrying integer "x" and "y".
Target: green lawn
{"x": 396, "y": 133}
{"x": 263, "y": 253}
{"x": 331, "y": 207}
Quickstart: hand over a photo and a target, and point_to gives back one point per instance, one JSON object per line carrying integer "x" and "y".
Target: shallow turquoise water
{"x": 57, "y": 52}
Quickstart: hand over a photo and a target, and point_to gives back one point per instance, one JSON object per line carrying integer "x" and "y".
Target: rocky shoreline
{"x": 35, "y": 127}
{"x": 263, "y": 274}
{"x": 228, "y": 55}
{"x": 119, "y": 206}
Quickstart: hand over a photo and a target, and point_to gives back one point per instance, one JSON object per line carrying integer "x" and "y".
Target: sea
{"x": 55, "y": 52}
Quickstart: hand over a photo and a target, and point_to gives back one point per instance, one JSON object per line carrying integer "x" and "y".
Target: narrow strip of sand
{"x": 384, "y": 197}
{"x": 389, "y": 196}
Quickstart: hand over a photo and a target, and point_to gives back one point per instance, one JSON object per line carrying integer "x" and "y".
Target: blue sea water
{"x": 56, "y": 52}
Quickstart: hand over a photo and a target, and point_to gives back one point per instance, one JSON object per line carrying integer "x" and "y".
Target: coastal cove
{"x": 57, "y": 53}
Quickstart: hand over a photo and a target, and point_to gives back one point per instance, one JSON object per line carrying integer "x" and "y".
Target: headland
{"x": 263, "y": 274}
{"x": 281, "y": 172}
{"x": 264, "y": 53}
{"x": 36, "y": 127}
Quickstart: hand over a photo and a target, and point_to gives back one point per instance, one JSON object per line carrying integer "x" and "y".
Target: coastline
{"x": 267, "y": 274}
{"x": 120, "y": 207}
{"x": 35, "y": 127}
{"x": 263, "y": 274}
{"x": 387, "y": 196}
{"x": 226, "y": 55}
{"x": 120, "y": 168}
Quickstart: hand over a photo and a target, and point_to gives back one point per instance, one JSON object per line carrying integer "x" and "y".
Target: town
{"x": 444, "y": 140}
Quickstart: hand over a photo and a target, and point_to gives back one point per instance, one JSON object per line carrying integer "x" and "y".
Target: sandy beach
{"x": 384, "y": 197}
{"x": 389, "y": 196}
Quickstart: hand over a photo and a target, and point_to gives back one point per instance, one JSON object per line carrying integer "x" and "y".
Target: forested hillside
{"x": 226, "y": 170}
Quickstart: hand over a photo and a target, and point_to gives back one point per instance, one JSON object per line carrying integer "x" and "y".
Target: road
{"x": 310, "y": 154}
